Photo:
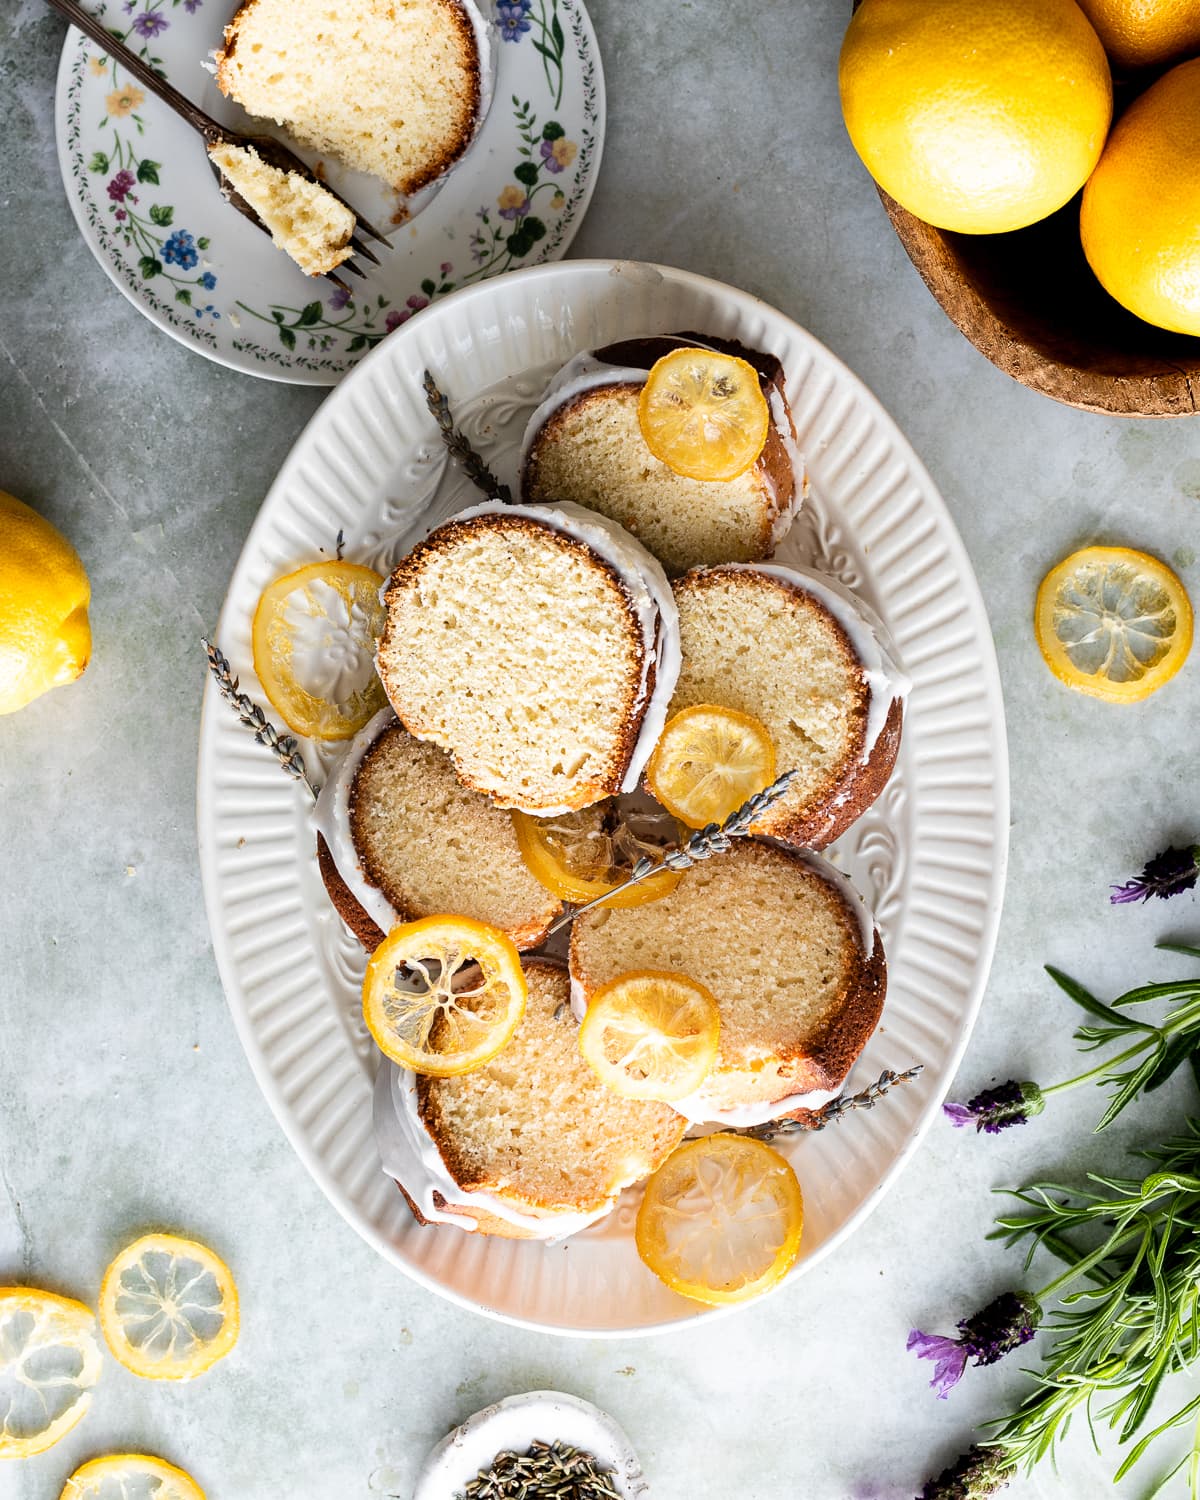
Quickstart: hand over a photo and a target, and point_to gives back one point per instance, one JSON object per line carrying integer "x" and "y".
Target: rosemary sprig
{"x": 460, "y": 448}
{"x": 701, "y": 845}
{"x": 549, "y": 1471}
{"x": 283, "y": 746}
{"x": 1135, "y": 1321}
{"x": 829, "y": 1114}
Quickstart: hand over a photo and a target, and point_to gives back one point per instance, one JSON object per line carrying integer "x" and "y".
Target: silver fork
{"x": 273, "y": 152}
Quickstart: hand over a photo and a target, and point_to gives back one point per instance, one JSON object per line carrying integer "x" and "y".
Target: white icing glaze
{"x": 411, "y": 1158}
{"x": 331, "y": 819}
{"x": 585, "y": 372}
{"x": 699, "y": 1107}
{"x": 650, "y": 595}
{"x": 885, "y": 678}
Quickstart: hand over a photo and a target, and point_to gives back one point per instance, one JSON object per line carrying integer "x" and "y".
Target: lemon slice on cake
{"x": 443, "y": 995}
{"x": 168, "y": 1308}
{"x": 708, "y": 762}
{"x": 130, "y": 1476}
{"x": 721, "y": 1219}
{"x": 315, "y": 634}
{"x": 578, "y": 859}
{"x": 703, "y": 414}
{"x": 49, "y": 1361}
{"x": 1113, "y": 623}
{"x": 651, "y": 1035}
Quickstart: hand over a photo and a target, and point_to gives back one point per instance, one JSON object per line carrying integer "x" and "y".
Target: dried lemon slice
{"x": 651, "y": 1035}
{"x": 580, "y": 856}
{"x": 704, "y": 414}
{"x": 168, "y": 1308}
{"x": 49, "y": 1361}
{"x": 130, "y": 1476}
{"x": 315, "y": 633}
{"x": 708, "y": 761}
{"x": 443, "y": 995}
{"x": 1113, "y": 623}
{"x": 721, "y": 1219}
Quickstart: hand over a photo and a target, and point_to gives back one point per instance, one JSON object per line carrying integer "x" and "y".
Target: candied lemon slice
{"x": 315, "y": 633}
{"x": 651, "y": 1035}
{"x": 708, "y": 761}
{"x": 49, "y": 1361}
{"x": 581, "y": 856}
{"x": 1113, "y": 623}
{"x": 130, "y": 1476}
{"x": 704, "y": 414}
{"x": 721, "y": 1219}
{"x": 443, "y": 995}
{"x": 168, "y": 1308}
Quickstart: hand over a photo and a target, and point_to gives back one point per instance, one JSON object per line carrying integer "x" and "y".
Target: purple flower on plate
{"x": 447, "y": 267}
{"x": 120, "y": 185}
{"x": 513, "y": 202}
{"x": 513, "y": 19}
{"x": 1167, "y": 874}
{"x": 149, "y": 24}
{"x": 180, "y": 250}
{"x": 192, "y": 6}
{"x": 396, "y": 317}
{"x": 994, "y": 1110}
{"x": 121, "y": 214}
{"x": 1007, "y": 1322}
{"x": 417, "y": 301}
{"x": 558, "y": 154}
{"x": 338, "y": 298}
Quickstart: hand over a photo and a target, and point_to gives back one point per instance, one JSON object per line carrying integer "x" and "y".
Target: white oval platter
{"x": 930, "y": 855}
{"x": 148, "y": 206}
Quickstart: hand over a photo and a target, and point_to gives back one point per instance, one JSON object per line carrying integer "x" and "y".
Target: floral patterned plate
{"x": 147, "y": 203}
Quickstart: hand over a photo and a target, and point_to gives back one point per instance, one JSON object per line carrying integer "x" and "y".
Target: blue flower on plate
{"x": 513, "y": 19}
{"x": 180, "y": 250}
{"x": 208, "y": 281}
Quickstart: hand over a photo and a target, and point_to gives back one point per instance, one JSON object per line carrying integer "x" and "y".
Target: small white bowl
{"x": 517, "y": 1422}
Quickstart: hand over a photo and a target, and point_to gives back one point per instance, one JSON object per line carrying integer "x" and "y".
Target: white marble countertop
{"x": 125, "y": 1100}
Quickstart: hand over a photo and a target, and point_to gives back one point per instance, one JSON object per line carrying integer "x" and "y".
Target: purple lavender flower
{"x": 180, "y": 250}
{"x": 150, "y": 23}
{"x": 120, "y": 185}
{"x": 994, "y": 1110}
{"x": 1006, "y": 1323}
{"x": 338, "y": 298}
{"x": 977, "y": 1475}
{"x": 513, "y": 19}
{"x": 1167, "y": 874}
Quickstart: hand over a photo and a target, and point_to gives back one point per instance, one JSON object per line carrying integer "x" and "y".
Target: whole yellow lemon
{"x": 976, "y": 115}
{"x": 1141, "y": 33}
{"x": 45, "y": 639}
{"x": 1140, "y": 220}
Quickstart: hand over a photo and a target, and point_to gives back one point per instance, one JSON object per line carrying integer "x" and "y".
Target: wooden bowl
{"x": 1029, "y": 301}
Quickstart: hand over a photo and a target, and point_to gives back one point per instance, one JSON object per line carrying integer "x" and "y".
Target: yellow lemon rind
{"x": 676, "y": 734}
{"x": 83, "y": 1483}
{"x": 601, "y": 1007}
{"x": 708, "y": 467}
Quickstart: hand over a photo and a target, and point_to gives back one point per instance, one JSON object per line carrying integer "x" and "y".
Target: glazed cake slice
{"x": 306, "y": 221}
{"x": 790, "y": 954}
{"x": 399, "y": 838}
{"x": 583, "y": 444}
{"x": 539, "y": 646}
{"x": 801, "y": 654}
{"x": 396, "y": 88}
{"x": 529, "y": 1146}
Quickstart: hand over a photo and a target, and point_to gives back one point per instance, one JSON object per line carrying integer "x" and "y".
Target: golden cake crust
{"x": 405, "y": 580}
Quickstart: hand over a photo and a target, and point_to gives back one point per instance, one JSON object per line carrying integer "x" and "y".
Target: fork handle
{"x": 212, "y": 131}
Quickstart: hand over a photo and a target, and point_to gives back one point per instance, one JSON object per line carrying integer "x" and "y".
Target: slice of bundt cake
{"x": 401, "y": 838}
{"x": 800, "y": 653}
{"x": 787, "y": 949}
{"x": 539, "y": 645}
{"x": 531, "y": 1145}
{"x": 584, "y": 444}
{"x": 306, "y": 221}
{"x": 397, "y": 88}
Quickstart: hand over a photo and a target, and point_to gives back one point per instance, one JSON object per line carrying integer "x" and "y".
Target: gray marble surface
{"x": 125, "y": 1100}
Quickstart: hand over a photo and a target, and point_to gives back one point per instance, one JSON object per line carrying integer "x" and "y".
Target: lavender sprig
{"x": 1007, "y": 1322}
{"x": 1167, "y": 874}
{"x": 977, "y": 1475}
{"x": 283, "y": 746}
{"x": 459, "y": 448}
{"x": 830, "y": 1113}
{"x": 703, "y": 844}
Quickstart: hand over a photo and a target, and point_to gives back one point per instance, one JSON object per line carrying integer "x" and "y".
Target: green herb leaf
{"x": 148, "y": 171}
{"x": 526, "y": 172}
{"x": 161, "y": 214}
{"x": 310, "y": 314}
{"x": 98, "y": 163}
